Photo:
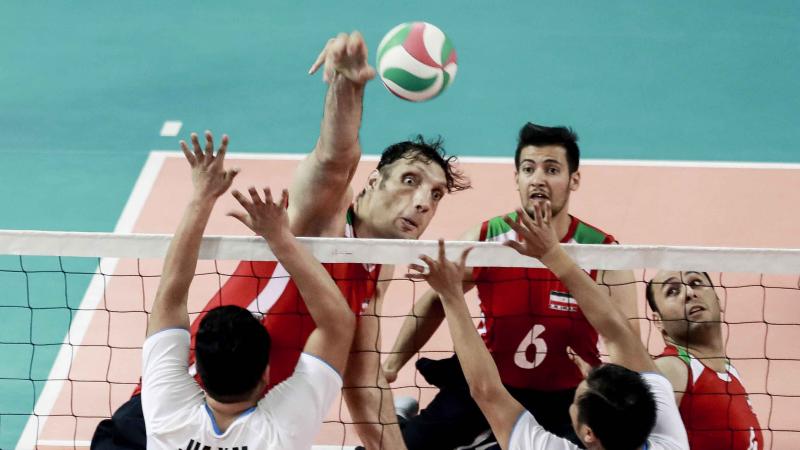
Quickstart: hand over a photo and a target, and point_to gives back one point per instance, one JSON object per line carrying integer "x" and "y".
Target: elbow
{"x": 483, "y": 391}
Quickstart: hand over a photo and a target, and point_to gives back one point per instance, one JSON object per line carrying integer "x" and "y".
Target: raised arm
{"x": 498, "y": 406}
{"x": 210, "y": 180}
{"x": 421, "y": 322}
{"x": 331, "y": 340}
{"x": 538, "y": 240}
{"x": 321, "y": 186}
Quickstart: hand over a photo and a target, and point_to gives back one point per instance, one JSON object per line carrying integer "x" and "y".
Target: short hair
{"x": 431, "y": 151}
{"x": 540, "y": 135}
{"x": 232, "y": 351}
{"x": 618, "y": 406}
{"x": 649, "y": 292}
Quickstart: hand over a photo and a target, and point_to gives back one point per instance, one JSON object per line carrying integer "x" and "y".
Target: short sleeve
{"x": 297, "y": 406}
{"x": 668, "y": 432}
{"x": 167, "y": 388}
{"x": 529, "y": 435}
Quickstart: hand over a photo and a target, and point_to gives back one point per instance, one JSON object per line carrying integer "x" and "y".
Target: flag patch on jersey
{"x": 561, "y": 301}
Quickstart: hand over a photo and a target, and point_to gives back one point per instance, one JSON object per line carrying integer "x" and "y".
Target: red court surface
{"x": 713, "y": 205}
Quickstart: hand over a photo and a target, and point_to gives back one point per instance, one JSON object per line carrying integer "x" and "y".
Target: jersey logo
{"x": 562, "y": 301}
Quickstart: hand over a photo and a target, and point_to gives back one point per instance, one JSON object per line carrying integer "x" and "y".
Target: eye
{"x": 409, "y": 180}
{"x": 437, "y": 195}
{"x": 672, "y": 291}
{"x": 553, "y": 170}
{"x": 527, "y": 169}
{"x": 697, "y": 282}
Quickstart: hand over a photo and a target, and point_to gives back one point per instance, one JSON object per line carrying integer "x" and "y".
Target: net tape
{"x": 399, "y": 251}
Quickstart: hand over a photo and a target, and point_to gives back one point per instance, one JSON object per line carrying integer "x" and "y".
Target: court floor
{"x": 639, "y": 202}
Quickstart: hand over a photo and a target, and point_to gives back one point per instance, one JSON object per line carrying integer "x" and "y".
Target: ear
{"x": 516, "y": 179}
{"x": 658, "y": 321}
{"x": 265, "y": 376}
{"x": 587, "y": 436}
{"x": 373, "y": 179}
{"x": 575, "y": 180}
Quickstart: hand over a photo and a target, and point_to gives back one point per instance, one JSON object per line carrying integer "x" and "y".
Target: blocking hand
{"x": 443, "y": 275}
{"x": 536, "y": 235}
{"x": 266, "y": 218}
{"x": 209, "y": 176}
{"x": 347, "y": 55}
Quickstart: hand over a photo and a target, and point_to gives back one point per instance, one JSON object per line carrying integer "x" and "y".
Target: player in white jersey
{"x": 623, "y": 405}
{"x": 231, "y": 346}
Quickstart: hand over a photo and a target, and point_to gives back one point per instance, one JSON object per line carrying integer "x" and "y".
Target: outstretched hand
{"x": 536, "y": 235}
{"x": 582, "y": 365}
{"x": 266, "y": 218}
{"x": 347, "y": 55}
{"x": 443, "y": 275}
{"x": 209, "y": 176}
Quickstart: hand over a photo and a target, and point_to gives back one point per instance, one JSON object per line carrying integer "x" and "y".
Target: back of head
{"x": 618, "y": 406}
{"x": 429, "y": 152}
{"x": 540, "y": 135}
{"x": 232, "y": 351}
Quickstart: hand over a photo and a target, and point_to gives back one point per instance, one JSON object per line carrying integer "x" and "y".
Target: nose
{"x": 538, "y": 177}
{"x": 690, "y": 294}
{"x": 423, "y": 201}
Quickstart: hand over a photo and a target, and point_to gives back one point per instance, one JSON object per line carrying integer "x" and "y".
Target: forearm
{"x": 418, "y": 327}
{"x": 476, "y": 362}
{"x": 370, "y": 402}
{"x": 184, "y": 248}
{"x": 323, "y": 299}
{"x": 341, "y": 121}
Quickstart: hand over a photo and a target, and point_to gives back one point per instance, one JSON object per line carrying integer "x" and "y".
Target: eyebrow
{"x": 547, "y": 160}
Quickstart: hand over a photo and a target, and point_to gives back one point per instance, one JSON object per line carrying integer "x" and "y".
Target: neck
{"x": 561, "y": 223}
{"x": 226, "y": 413}
{"x": 704, "y": 344}
{"x": 360, "y": 227}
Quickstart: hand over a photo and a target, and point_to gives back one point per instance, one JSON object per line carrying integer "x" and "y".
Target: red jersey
{"x": 715, "y": 407}
{"x": 265, "y": 288}
{"x": 529, "y": 316}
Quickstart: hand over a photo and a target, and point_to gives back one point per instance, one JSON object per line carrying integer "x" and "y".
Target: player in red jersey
{"x": 399, "y": 200}
{"x": 529, "y": 316}
{"x": 713, "y": 401}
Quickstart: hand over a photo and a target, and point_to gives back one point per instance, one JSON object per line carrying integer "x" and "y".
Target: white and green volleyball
{"x": 416, "y": 61}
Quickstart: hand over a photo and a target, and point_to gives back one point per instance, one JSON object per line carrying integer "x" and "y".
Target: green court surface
{"x": 86, "y": 86}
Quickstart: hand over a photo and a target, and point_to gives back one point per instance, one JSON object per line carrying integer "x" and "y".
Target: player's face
{"x": 543, "y": 174}
{"x": 404, "y": 198}
{"x": 686, "y": 300}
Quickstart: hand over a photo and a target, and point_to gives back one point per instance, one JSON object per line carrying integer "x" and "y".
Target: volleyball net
{"x": 74, "y": 312}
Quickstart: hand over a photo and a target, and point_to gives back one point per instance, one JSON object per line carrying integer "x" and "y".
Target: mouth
{"x": 538, "y": 196}
{"x": 407, "y": 224}
{"x": 695, "y": 309}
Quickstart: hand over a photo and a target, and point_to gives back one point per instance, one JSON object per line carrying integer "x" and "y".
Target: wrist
{"x": 557, "y": 260}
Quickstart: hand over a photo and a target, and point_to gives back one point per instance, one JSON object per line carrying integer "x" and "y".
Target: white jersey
{"x": 668, "y": 432}
{"x": 177, "y": 417}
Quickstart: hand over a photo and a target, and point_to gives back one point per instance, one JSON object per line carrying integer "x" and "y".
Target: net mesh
{"x": 74, "y": 308}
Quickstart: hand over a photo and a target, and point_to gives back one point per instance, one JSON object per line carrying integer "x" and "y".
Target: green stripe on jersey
{"x": 585, "y": 234}
{"x": 498, "y": 227}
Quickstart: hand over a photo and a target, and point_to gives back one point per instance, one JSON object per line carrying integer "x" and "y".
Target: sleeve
{"x": 298, "y": 405}
{"x": 529, "y": 435}
{"x": 167, "y": 388}
{"x": 668, "y": 432}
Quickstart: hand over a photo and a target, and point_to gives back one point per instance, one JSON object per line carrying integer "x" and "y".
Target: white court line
{"x": 510, "y": 161}
{"x": 83, "y": 317}
{"x": 171, "y": 128}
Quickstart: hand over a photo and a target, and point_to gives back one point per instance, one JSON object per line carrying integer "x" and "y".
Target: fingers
{"x": 241, "y": 217}
{"x": 442, "y": 257}
{"x": 582, "y": 365}
{"x": 188, "y": 154}
{"x": 516, "y": 246}
{"x": 514, "y": 225}
{"x": 256, "y": 198}
{"x": 284, "y": 199}
{"x": 463, "y": 262}
{"x": 334, "y": 54}
{"x": 526, "y": 219}
{"x": 548, "y": 212}
{"x": 242, "y": 200}
{"x": 356, "y": 45}
{"x": 198, "y": 153}
{"x": 209, "y": 154}
{"x": 537, "y": 214}
{"x": 223, "y": 147}
{"x": 320, "y": 58}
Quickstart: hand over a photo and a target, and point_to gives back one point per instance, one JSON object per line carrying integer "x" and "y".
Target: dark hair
{"x": 429, "y": 152}
{"x": 539, "y": 135}
{"x": 232, "y": 351}
{"x": 618, "y": 406}
{"x": 649, "y": 292}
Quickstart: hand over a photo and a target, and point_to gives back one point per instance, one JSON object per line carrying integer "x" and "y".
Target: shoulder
{"x": 675, "y": 369}
{"x": 585, "y": 233}
{"x": 496, "y": 229}
{"x": 528, "y": 434}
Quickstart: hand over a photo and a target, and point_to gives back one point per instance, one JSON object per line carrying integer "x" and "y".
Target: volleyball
{"x": 416, "y": 61}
